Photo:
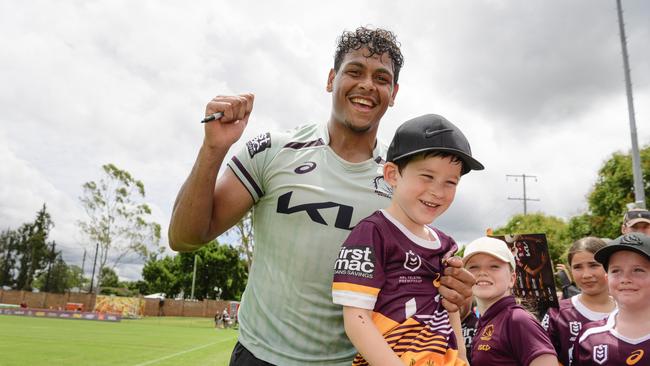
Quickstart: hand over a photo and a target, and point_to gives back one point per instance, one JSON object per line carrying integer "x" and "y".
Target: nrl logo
{"x": 412, "y": 261}
{"x": 600, "y": 354}
{"x": 574, "y": 328}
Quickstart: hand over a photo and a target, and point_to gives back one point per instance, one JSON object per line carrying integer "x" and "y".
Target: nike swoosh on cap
{"x": 429, "y": 133}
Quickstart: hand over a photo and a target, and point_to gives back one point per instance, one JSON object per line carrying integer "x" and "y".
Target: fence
{"x": 152, "y": 307}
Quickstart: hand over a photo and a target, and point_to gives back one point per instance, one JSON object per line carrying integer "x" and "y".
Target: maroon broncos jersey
{"x": 600, "y": 344}
{"x": 385, "y": 268}
{"x": 508, "y": 335}
{"x": 563, "y": 325}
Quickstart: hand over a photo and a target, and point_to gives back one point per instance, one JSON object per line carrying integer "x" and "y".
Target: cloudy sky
{"x": 536, "y": 85}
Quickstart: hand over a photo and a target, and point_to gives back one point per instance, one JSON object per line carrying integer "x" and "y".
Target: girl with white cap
{"x": 506, "y": 334}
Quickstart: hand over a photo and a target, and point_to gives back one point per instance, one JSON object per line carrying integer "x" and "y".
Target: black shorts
{"x": 243, "y": 357}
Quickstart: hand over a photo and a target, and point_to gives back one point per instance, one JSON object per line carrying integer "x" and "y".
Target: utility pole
{"x": 524, "y": 198}
{"x": 92, "y": 278}
{"x": 194, "y": 277}
{"x": 83, "y": 265}
{"x": 639, "y": 194}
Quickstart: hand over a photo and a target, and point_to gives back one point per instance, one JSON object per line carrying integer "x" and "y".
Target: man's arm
{"x": 455, "y": 285}
{"x": 206, "y": 207}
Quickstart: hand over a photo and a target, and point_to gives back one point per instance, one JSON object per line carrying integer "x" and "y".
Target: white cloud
{"x": 537, "y": 88}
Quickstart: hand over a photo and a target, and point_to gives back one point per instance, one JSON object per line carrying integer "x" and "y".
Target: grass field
{"x": 149, "y": 341}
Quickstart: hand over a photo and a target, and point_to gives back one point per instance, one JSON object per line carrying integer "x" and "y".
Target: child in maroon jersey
{"x": 506, "y": 335}
{"x": 468, "y": 322}
{"x": 624, "y": 338}
{"x": 594, "y": 303}
{"x": 388, "y": 270}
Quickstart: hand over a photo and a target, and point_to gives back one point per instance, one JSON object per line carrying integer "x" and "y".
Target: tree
{"x": 137, "y": 287}
{"x": 243, "y": 232}
{"x": 109, "y": 278}
{"x": 117, "y": 217}
{"x": 613, "y": 190}
{"x": 75, "y": 277}
{"x": 538, "y": 223}
{"x": 59, "y": 277}
{"x": 32, "y": 249}
{"x": 607, "y": 201}
{"x": 8, "y": 246}
{"x": 218, "y": 266}
{"x": 160, "y": 275}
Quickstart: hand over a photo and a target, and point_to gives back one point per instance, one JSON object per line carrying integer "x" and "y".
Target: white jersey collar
{"x": 429, "y": 244}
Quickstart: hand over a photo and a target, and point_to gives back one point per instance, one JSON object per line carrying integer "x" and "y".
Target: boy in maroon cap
{"x": 624, "y": 338}
{"x": 507, "y": 334}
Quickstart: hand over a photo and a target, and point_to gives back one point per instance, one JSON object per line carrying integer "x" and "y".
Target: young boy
{"x": 388, "y": 270}
{"x": 507, "y": 334}
{"x": 624, "y": 337}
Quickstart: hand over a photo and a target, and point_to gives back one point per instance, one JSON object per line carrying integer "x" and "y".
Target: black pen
{"x": 212, "y": 117}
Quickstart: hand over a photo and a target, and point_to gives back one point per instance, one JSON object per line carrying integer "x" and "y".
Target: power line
{"x": 524, "y": 198}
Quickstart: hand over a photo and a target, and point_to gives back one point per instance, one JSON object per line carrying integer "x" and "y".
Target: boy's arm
{"x": 366, "y": 337}
{"x": 454, "y": 320}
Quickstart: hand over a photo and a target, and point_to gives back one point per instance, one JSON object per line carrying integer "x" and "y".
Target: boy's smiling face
{"x": 423, "y": 191}
{"x": 629, "y": 279}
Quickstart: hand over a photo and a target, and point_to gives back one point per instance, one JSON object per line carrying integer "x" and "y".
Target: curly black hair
{"x": 378, "y": 41}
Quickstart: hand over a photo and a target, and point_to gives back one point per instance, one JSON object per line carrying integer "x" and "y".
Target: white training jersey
{"x": 307, "y": 200}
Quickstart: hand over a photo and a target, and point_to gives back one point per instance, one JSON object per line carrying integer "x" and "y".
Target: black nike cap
{"x": 431, "y": 132}
{"x": 635, "y": 242}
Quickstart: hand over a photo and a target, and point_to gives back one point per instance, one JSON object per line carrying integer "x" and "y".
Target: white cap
{"x": 494, "y": 247}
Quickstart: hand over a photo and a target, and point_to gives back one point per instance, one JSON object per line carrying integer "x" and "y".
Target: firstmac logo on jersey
{"x": 355, "y": 261}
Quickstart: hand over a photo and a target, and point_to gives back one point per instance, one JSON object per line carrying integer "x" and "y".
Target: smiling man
{"x": 308, "y": 188}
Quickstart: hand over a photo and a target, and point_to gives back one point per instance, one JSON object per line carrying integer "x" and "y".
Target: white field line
{"x": 180, "y": 353}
